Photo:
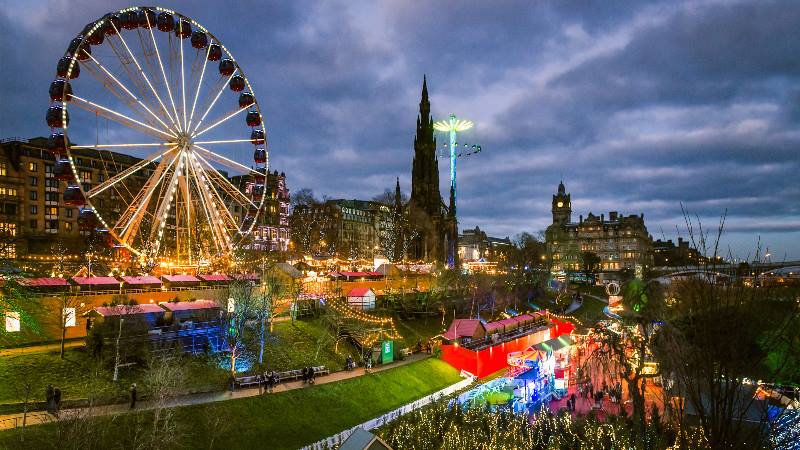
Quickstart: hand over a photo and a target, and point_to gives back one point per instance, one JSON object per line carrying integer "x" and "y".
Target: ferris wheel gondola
{"x": 195, "y": 186}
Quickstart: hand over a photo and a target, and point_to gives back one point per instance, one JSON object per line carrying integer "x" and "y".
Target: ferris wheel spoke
{"x": 127, "y": 172}
{"x": 224, "y": 141}
{"x": 108, "y": 80}
{"x": 129, "y": 222}
{"x": 156, "y": 144}
{"x": 218, "y": 231}
{"x": 199, "y": 85}
{"x": 219, "y": 92}
{"x": 183, "y": 79}
{"x": 165, "y": 204}
{"x": 125, "y": 62}
{"x": 226, "y": 161}
{"x": 235, "y": 194}
{"x": 120, "y": 118}
{"x": 220, "y": 121}
{"x": 217, "y": 194}
{"x": 164, "y": 74}
{"x": 146, "y": 79}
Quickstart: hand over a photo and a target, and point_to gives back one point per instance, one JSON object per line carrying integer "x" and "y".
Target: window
{"x": 69, "y": 317}
{"x": 12, "y": 321}
{"x": 11, "y": 192}
{"x": 86, "y": 176}
{"x": 48, "y": 168}
{"x": 10, "y": 209}
{"x": 34, "y": 209}
{"x": 69, "y": 212}
{"x": 51, "y": 196}
{"x": 51, "y": 211}
{"x": 3, "y": 169}
{"x": 34, "y": 181}
{"x": 33, "y": 167}
{"x": 34, "y": 195}
{"x": 33, "y": 224}
{"x": 8, "y": 229}
{"x": 67, "y": 226}
{"x": 51, "y": 226}
{"x": 50, "y": 182}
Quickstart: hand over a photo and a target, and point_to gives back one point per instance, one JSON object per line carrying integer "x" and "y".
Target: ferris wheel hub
{"x": 183, "y": 141}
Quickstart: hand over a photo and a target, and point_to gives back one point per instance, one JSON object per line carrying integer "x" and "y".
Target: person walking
{"x": 49, "y": 393}
{"x": 133, "y": 395}
{"x": 260, "y": 380}
{"x": 572, "y": 402}
{"x": 57, "y": 400}
{"x": 272, "y": 380}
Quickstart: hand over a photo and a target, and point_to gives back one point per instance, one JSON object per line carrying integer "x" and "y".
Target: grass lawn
{"x": 285, "y": 420}
{"x": 290, "y": 347}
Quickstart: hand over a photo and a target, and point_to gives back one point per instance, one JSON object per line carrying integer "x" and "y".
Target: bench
{"x": 297, "y": 374}
{"x": 289, "y": 375}
{"x": 252, "y": 380}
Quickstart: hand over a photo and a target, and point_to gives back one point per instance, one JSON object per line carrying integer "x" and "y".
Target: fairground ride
{"x": 156, "y": 89}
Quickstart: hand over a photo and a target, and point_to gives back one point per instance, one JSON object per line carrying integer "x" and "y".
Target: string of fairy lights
{"x": 363, "y": 317}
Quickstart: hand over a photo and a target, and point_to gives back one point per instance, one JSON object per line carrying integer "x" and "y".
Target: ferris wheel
{"x": 159, "y": 137}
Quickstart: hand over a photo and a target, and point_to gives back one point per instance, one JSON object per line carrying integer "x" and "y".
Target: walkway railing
{"x": 337, "y": 439}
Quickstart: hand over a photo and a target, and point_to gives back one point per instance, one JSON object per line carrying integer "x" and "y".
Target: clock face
{"x": 560, "y": 204}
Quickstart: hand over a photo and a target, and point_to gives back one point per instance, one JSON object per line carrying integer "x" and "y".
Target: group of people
{"x": 53, "y": 396}
{"x": 267, "y": 382}
{"x": 586, "y": 390}
{"x": 308, "y": 375}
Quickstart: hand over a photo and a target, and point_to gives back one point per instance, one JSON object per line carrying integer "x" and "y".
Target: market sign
{"x": 387, "y": 352}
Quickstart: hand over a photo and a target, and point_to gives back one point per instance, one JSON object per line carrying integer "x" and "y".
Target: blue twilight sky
{"x": 638, "y": 106}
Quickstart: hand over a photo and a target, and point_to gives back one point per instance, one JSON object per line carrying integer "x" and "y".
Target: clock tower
{"x": 562, "y": 207}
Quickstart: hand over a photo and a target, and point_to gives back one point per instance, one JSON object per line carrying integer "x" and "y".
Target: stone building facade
{"x": 619, "y": 242}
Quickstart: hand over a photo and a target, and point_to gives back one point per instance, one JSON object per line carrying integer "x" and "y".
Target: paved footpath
{"x": 38, "y": 417}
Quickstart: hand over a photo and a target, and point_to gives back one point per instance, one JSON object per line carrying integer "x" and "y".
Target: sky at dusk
{"x": 638, "y": 106}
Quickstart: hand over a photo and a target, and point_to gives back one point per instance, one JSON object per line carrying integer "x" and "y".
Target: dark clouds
{"x": 638, "y": 106}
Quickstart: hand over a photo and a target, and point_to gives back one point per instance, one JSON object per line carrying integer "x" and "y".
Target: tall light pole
{"x": 452, "y": 126}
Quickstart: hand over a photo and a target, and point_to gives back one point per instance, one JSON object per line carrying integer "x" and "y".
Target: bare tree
{"x": 717, "y": 336}
{"x": 239, "y": 305}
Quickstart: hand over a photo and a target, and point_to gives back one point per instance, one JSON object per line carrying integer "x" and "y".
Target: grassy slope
{"x": 290, "y": 347}
{"x": 290, "y": 419}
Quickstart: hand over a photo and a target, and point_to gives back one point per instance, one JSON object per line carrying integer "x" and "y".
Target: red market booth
{"x": 483, "y": 357}
{"x": 97, "y": 283}
{"x": 53, "y": 284}
{"x": 141, "y": 282}
{"x": 178, "y": 281}
{"x": 194, "y": 311}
